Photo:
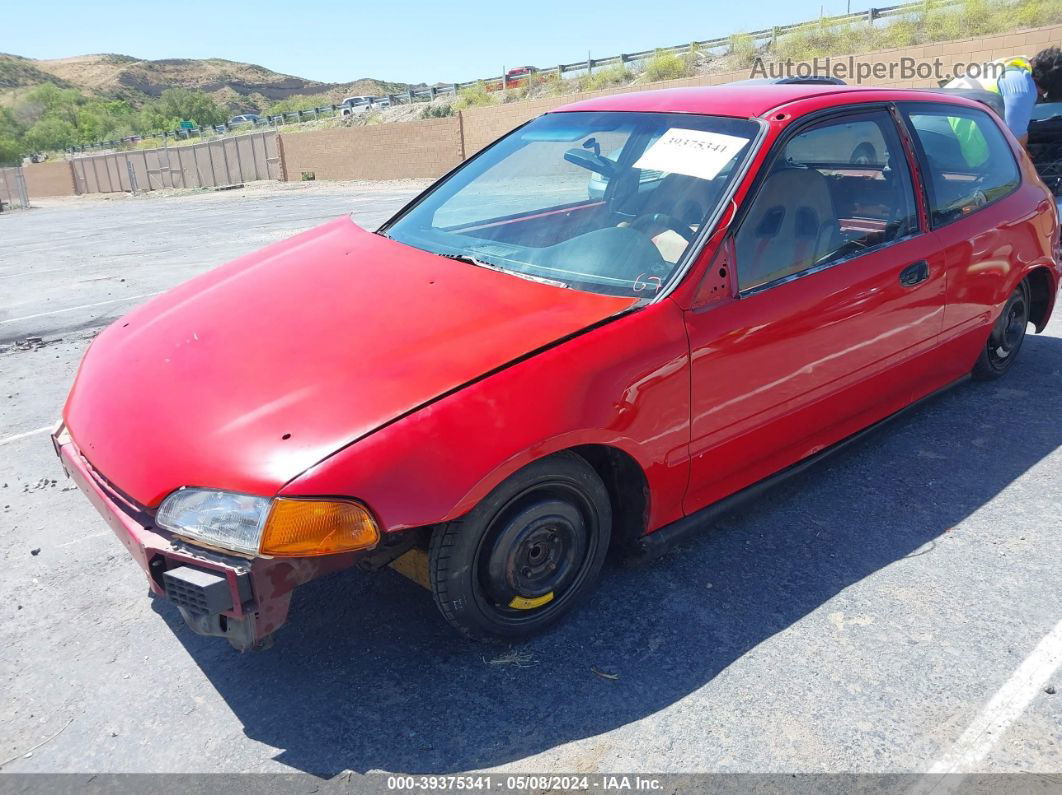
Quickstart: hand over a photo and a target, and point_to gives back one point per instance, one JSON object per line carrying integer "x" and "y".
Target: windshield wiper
{"x": 470, "y": 260}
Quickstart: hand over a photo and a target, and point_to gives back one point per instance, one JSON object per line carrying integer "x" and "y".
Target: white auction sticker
{"x": 695, "y": 153}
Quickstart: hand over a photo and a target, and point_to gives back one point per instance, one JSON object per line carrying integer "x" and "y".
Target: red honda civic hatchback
{"x": 598, "y": 332}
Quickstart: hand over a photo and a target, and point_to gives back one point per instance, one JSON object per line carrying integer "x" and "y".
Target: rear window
{"x": 967, "y": 157}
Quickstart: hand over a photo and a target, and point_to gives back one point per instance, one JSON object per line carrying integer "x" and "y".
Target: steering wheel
{"x": 650, "y": 221}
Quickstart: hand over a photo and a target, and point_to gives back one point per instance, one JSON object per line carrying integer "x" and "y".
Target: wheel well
{"x": 1040, "y": 297}
{"x": 627, "y": 487}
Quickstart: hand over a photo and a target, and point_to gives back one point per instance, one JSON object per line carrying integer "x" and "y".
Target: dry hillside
{"x": 238, "y": 85}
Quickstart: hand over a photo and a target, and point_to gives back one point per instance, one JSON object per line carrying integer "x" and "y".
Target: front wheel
{"x": 526, "y": 554}
{"x": 1008, "y": 333}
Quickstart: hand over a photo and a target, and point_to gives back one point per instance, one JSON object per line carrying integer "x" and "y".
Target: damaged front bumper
{"x": 243, "y": 600}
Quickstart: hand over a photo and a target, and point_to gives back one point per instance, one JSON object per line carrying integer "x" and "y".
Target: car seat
{"x": 791, "y": 227}
{"x": 686, "y": 199}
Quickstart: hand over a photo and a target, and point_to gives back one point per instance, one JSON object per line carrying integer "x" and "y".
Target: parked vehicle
{"x": 509, "y": 378}
{"x": 352, "y": 106}
{"x": 518, "y": 76}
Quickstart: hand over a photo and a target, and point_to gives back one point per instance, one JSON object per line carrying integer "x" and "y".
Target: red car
{"x": 515, "y": 377}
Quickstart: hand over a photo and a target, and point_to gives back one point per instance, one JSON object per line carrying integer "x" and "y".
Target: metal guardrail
{"x": 505, "y": 81}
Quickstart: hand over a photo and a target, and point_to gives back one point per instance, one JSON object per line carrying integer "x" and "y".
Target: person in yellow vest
{"x": 1021, "y": 85}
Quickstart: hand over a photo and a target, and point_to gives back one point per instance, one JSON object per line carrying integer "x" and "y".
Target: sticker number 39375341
{"x": 695, "y": 153}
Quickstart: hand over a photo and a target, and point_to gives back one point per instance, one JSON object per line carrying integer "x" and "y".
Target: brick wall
{"x": 49, "y": 179}
{"x": 425, "y": 148}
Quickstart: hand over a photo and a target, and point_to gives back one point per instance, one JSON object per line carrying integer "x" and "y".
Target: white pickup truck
{"x": 352, "y": 106}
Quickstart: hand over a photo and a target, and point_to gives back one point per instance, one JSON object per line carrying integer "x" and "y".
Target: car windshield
{"x": 602, "y": 202}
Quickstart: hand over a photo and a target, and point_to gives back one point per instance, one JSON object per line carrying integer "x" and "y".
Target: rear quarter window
{"x": 966, "y": 160}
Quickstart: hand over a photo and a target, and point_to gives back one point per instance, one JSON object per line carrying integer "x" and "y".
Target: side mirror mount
{"x": 717, "y": 282}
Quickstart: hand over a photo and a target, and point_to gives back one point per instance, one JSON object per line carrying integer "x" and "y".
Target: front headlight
{"x": 261, "y": 526}
{"x": 219, "y": 518}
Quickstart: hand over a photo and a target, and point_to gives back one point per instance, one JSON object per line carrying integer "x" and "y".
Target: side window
{"x": 968, "y": 160}
{"x": 836, "y": 189}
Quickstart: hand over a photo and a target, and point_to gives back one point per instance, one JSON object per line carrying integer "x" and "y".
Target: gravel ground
{"x": 859, "y": 618}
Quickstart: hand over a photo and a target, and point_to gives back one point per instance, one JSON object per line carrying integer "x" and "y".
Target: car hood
{"x": 247, "y": 375}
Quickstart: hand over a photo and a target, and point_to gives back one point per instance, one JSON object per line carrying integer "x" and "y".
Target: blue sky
{"x": 422, "y": 40}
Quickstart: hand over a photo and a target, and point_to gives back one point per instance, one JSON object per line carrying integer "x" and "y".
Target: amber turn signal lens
{"x": 303, "y": 528}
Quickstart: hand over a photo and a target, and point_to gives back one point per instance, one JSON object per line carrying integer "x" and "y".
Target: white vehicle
{"x": 353, "y": 105}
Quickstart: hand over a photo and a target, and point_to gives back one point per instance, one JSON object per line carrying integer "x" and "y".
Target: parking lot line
{"x": 23, "y": 435}
{"x": 83, "y": 306}
{"x": 1006, "y": 706}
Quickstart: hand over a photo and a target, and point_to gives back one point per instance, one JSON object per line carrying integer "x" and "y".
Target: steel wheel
{"x": 1006, "y": 337}
{"x": 527, "y": 553}
{"x": 536, "y": 552}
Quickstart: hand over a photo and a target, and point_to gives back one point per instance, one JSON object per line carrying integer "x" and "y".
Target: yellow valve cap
{"x": 304, "y": 528}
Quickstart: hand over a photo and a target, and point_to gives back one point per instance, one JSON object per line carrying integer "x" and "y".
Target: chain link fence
{"x": 213, "y": 164}
{"x": 13, "y": 195}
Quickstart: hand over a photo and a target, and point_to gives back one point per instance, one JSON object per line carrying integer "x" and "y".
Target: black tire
{"x": 1006, "y": 337}
{"x": 526, "y": 554}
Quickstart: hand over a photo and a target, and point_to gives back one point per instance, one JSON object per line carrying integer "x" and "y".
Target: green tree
{"x": 151, "y": 119}
{"x": 178, "y": 104}
{"x": 51, "y": 134}
{"x": 47, "y": 100}
{"x": 298, "y": 102}
{"x": 11, "y": 151}
{"x": 9, "y": 125}
{"x": 100, "y": 121}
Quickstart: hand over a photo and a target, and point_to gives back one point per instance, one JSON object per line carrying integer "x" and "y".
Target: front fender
{"x": 623, "y": 384}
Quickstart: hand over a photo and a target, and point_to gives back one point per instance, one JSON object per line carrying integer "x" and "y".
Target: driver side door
{"x": 835, "y": 312}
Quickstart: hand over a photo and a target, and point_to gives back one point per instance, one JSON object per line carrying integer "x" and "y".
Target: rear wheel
{"x": 526, "y": 554}
{"x": 1008, "y": 333}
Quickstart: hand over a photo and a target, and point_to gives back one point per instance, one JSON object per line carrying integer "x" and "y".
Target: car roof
{"x": 745, "y": 101}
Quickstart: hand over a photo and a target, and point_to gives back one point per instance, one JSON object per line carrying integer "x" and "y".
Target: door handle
{"x": 915, "y": 273}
